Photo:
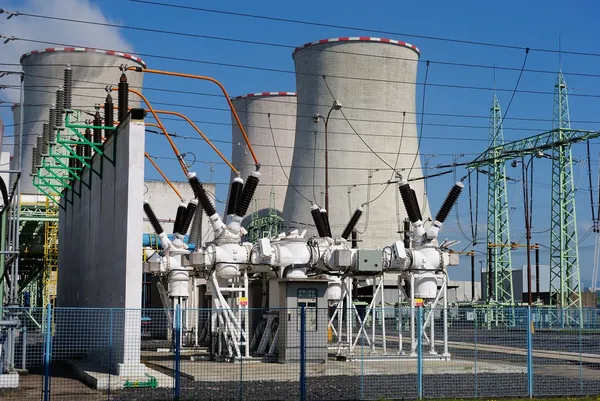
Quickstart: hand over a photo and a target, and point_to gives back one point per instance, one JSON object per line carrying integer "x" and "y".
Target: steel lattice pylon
{"x": 265, "y": 227}
{"x": 498, "y": 236}
{"x": 565, "y": 289}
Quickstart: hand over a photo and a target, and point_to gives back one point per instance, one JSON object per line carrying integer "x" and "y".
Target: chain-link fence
{"x": 346, "y": 352}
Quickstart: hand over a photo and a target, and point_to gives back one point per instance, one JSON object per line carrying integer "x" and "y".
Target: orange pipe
{"x": 163, "y": 175}
{"x": 162, "y": 127}
{"x": 235, "y": 115}
{"x": 201, "y": 134}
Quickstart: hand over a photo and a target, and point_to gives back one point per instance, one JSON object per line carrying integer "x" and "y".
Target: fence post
{"x": 529, "y": 353}
{"x": 110, "y": 347}
{"x": 302, "y": 352}
{"x": 475, "y": 352}
{"x": 420, "y": 351}
{"x": 580, "y": 357}
{"x": 176, "y": 390}
{"x": 48, "y": 353}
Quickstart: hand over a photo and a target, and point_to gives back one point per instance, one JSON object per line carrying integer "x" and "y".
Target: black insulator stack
{"x": 60, "y": 101}
{"x": 406, "y": 233}
{"x": 108, "y": 115}
{"x": 46, "y": 136}
{"x": 71, "y": 161}
{"x": 33, "y": 164}
{"x": 189, "y": 216}
{"x": 179, "y": 218}
{"x": 235, "y": 192}
{"x": 352, "y": 223}
{"x": 200, "y": 194}
{"x": 354, "y": 239}
{"x": 68, "y": 88}
{"x": 416, "y": 202}
{"x": 52, "y": 125}
{"x": 318, "y": 220}
{"x": 97, "y": 131}
{"x": 243, "y": 204}
{"x": 40, "y": 143}
{"x": 123, "y": 98}
{"x": 449, "y": 202}
{"x": 87, "y": 149}
{"x": 152, "y": 217}
{"x": 325, "y": 219}
{"x": 409, "y": 203}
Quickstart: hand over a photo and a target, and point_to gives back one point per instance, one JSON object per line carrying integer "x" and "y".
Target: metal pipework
{"x": 227, "y": 97}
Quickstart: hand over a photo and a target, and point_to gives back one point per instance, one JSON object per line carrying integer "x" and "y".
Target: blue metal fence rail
{"x": 521, "y": 356}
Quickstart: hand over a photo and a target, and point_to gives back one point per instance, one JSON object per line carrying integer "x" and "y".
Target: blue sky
{"x": 534, "y": 24}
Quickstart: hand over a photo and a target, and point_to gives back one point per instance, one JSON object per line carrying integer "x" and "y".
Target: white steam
{"x": 68, "y": 33}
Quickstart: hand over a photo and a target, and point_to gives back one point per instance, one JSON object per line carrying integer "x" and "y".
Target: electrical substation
{"x": 365, "y": 270}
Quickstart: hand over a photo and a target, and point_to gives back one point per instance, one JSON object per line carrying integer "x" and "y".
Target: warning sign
{"x": 243, "y": 301}
{"x": 418, "y": 302}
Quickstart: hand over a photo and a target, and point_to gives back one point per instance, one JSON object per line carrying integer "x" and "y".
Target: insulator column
{"x": 153, "y": 219}
{"x": 87, "y": 149}
{"x": 449, "y": 202}
{"x": 97, "y": 131}
{"x": 179, "y": 218}
{"x": 189, "y": 216}
{"x": 410, "y": 203}
{"x": 325, "y": 219}
{"x": 108, "y": 115}
{"x": 52, "y": 125}
{"x": 200, "y": 194}
{"x": 235, "y": 192}
{"x": 406, "y": 233}
{"x": 315, "y": 211}
{"x": 247, "y": 193}
{"x": 46, "y": 138}
{"x": 123, "y": 98}
{"x": 39, "y": 144}
{"x": 352, "y": 223}
{"x": 68, "y": 88}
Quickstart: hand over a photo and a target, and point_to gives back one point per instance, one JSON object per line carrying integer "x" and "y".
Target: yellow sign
{"x": 243, "y": 301}
{"x": 418, "y": 302}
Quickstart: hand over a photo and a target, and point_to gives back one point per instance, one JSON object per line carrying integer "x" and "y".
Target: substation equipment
{"x": 295, "y": 270}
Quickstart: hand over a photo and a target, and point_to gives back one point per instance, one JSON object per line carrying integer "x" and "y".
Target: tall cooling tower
{"x": 254, "y": 110}
{"x": 374, "y": 80}
{"x": 14, "y": 160}
{"x": 44, "y": 71}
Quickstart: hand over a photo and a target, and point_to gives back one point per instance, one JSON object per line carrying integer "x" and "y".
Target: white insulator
{"x": 179, "y": 278}
{"x": 334, "y": 289}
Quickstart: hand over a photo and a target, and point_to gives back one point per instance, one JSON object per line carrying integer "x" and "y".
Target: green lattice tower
{"x": 267, "y": 226}
{"x": 565, "y": 290}
{"x": 498, "y": 214}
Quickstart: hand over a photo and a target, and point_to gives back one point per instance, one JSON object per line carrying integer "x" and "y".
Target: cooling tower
{"x": 254, "y": 110}
{"x": 14, "y": 160}
{"x": 374, "y": 80}
{"x": 93, "y": 70}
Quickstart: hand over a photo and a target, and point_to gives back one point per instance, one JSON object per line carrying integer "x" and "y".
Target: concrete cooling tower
{"x": 253, "y": 110}
{"x": 44, "y": 73}
{"x": 374, "y": 80}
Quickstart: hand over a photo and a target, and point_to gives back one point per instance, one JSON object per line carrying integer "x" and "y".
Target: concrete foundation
{"x": 9, "y": 380}
{"x": 100, "y": 260}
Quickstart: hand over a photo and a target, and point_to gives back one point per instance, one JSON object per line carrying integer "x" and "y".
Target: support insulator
{"x": 413, "y": 195}
{"x": 200, "y": 194}
{"x": 40, "y": 143}
{"x": 354, "y": 239}
{"x": 52, "y": 125}
{"x": 87, "y": 149}
{"x": 406, "y": 233}
{"x": 352, "y": 223}
{"x": 46, "y": 136}
{"x": 34, "y": 168}
{"x": 123, "y": 97}
{"x": 412, "y": 210}
{"x": 71, "y": 161}
{"x": 325, "y": 218}
{"x": 449, "y": 202}
{"x": 79, "y": 152}
{"x": 97, "y": 131}
{"x": 235, "y": 191}
{"x": 189, "y": 216}
{"x": 152, "y": 217}
{"x": 179, "y": 218}
{"x": 60, "y": 101}
{"x": 315, "y": 211}
{"x": 247, "y": 193}
{"x": 108, "y": 115}
{"x": 68, "y": 87}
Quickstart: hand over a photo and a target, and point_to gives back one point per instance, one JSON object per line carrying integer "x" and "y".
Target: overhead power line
{"x": 364, "y": 29}
{"x": 283, "y": 71}
{"x": 282, "y": 45}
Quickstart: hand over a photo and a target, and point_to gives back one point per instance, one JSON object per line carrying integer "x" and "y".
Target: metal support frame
{"x": 265, "y": 227}
{"x": 498, "y": 215}
{"x": 565, "y": 290}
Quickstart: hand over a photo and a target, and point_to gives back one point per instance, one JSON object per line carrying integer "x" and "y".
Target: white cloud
{"x": 69, "y": 33}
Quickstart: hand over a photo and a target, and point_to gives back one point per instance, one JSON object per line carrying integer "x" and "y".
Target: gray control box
{"x": 369, "y": 261}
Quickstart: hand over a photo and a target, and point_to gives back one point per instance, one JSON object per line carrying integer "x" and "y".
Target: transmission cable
{"x": 280, "y": 164}
{"x": 591, "y": 187}
{"x": 421, "y": 126}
